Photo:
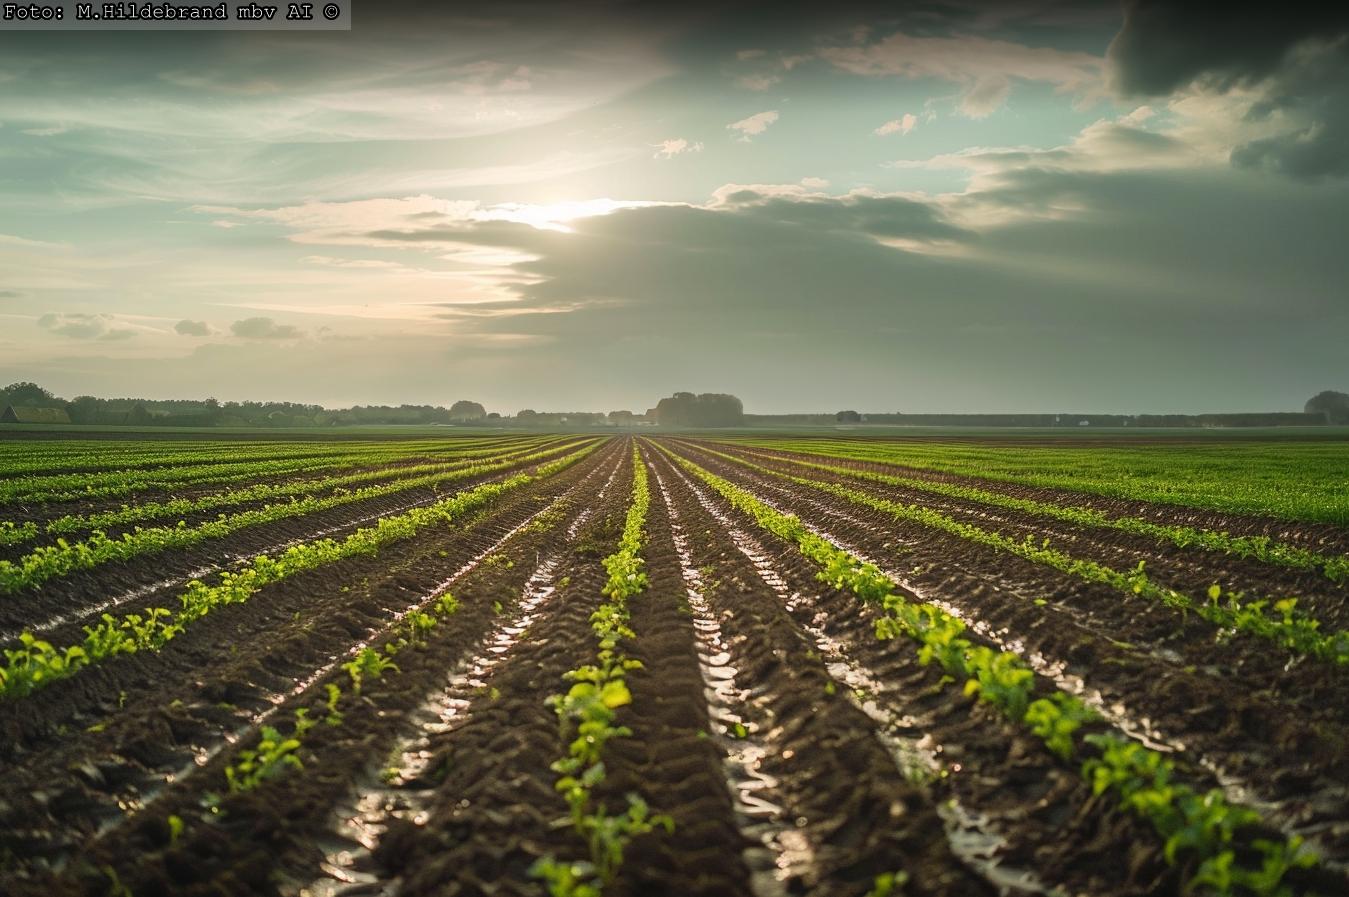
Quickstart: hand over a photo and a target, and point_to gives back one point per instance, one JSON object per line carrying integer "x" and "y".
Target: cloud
{"x": 1104, "y": 145}
{"x": 668, "y": 149}
{"x": 85, "y": 326}
{"x": 754, "y": 125}
{"x": 351, "y": 223}
{"x": 759, "y": 81}
{"x": 902, "y": 125}
{"x": 1310, "y": 98}
{"x": 892, "y": 219}
{"x": 1287, "y": 70}
{"x": 264, "y": 328}
{"x": 986, "y": 96}
{"x": 193, "y": 328}
{"x": 1165, "y": 46}
{"x": 24, "y": 242}
{"x": 984, "y": 67}
{"x": 765, "y": 277}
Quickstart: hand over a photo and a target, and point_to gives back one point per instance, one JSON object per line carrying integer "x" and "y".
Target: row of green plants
{"x": 1221, "y": 848}
{"x": 111, "y": 484}
{"x": 1277, "y": 621}
{"x": 275, "y": 752}
{"x": 1260, "y": 548}
{"x": 127, "y": 514}
{"x": 36, "y": 663}
{"x": 1290, "y": 480}
{"x": 588, "y": 720}
{"x": 121, "y": 458}
{"x": 62, "y": 558}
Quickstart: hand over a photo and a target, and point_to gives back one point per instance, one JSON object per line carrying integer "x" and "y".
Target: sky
{"x": 960, "y": 206}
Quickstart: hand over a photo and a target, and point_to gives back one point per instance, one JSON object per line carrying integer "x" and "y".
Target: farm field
{"x": 759, "y": 665}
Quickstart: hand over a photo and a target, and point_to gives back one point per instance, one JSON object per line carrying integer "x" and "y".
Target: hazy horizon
{"x": 958, "y": 207}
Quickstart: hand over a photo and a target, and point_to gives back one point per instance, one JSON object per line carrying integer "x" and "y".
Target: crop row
{"x": 588, "y": 719}
{"x": 109, "y": 459}
{"x": 1278, "y": 621}
{"x": 1287, "y": 480}
{"x": 1221, "y": 847}
{"x": 110, "y": 484}
{"x": 1260, "y": 548}
{"x": 129, "y": 514}
{"x": 52, "y": 561}
{"x": 36, "y": 663}
{"x": 274, "y": 752}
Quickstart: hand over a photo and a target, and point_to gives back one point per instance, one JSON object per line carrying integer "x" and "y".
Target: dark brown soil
{"x": 796, "y": 753}
{"x": 156, "y": 579}
{"x": 1282, "y": 728}
{"x": 1189, "y": 570}
{"x": 219, "y": 854}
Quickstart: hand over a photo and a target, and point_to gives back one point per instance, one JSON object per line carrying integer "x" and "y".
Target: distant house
{"x": 25, "y": 415}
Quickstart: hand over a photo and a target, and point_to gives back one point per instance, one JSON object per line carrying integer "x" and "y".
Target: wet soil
{"x": 218, "y": 857}
{"x": 1276, "y": 730}
{"x": 1189, "y": 570}
{"x": 1323, "y": 537}
{"x": 59, "y": 608}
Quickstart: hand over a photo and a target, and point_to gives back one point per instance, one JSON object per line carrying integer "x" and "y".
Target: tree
{"x": 709, "y": 409}
{"x": 1334, "y": 406}
{"x": 25, "y": 393}
{"x": 464, "y": 410}
{"x": 84, "y": 409}
{"x": 848, "y": 417}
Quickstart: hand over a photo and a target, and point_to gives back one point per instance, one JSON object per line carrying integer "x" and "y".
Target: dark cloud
{"x": 1315, "y": 91}
{"x": 885, "y": 217}
{"x": 1165, "y": 46}
{"x": 193, "y": 328}
{"x": 264, "y": 328}
{"x": 1133, "y": 280}
{"x": 1296, "y": 54}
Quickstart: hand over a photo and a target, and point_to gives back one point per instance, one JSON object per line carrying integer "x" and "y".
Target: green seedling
{"x": 334, "y": 717}
{"x": 369, "y": 663}
{"x": 273, "y": 755}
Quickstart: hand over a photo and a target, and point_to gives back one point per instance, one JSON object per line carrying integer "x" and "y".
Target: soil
{"x": 794, "y": 751}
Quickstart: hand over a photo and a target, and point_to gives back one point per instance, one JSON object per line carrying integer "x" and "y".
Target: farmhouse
{"x": 24, "y": 415}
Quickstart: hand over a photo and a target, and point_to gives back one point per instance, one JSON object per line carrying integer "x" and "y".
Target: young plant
{"x": 274, "y": 754}
{"x": 369, "y": 663}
